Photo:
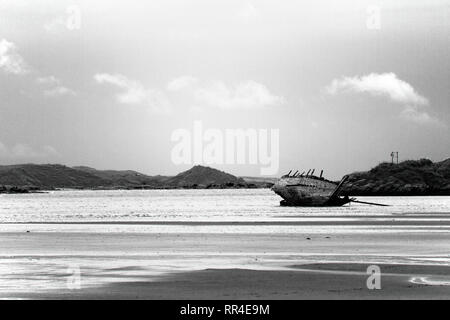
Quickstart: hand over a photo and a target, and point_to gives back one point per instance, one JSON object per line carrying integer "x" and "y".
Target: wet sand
{"x": 336, "y": 281}
{"x": 313, "y": 265}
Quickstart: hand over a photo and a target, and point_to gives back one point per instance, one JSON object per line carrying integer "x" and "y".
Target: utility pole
{"x": 394, "y": 154}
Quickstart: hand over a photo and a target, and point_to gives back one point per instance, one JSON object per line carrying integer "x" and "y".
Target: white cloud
{"x": 54, "y": 87}
{"x": 24, "y": 152}
{"x": 181, "y": 83}
{"x": 414, "y": 114}
{"x": 55, "y": 25}
{"x": 390, "y": 86}
{"x": 11, "y": 62}
{"x": 190, "y": 90}
{"x": 50, "y": 80}
{"x": 384, "y": 84}
{"x": 58, "y": 91}
{"x": 69, "y": 21}
{"x": 134, "y": 92}
{"x": 10, "y": 59}
{"x": 244, "y": 95}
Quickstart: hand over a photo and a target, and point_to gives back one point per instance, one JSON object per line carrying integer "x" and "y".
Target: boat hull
{"x": 335, "y": 202}
{"x": 308, "y": 191}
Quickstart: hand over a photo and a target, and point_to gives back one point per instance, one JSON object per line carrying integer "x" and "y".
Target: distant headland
{"x": 33, "y": 177}
{"x": 412, "y": 177}
{"x": 408, "y": 178}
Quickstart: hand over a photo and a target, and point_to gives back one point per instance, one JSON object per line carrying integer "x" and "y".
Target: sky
{"x": 107, "y": 83}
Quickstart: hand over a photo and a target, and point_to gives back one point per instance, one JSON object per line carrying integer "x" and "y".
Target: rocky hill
{"x": 260, "y": 182}
{"x": 124, "y": 177}
{"x": 412, "y": 177}
{"x": 48, "y": 176}
{"x": 205, "y": 177}
{"x": 20, "y": 178}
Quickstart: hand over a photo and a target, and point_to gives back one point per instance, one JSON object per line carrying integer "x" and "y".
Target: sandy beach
{"x": 220, "y": 266}
{"x": 343, "y": 281}
{"x": 273, "y": 253}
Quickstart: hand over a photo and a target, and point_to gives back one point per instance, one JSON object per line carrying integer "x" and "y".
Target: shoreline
{"x": 310, "y": 281}
{"x": 243, "y": 223}
{"x": 368, "y": 195}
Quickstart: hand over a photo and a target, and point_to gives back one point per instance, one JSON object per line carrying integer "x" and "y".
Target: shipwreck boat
{"x": 310, "y": 190}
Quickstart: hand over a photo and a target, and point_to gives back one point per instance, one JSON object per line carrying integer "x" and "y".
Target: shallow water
{"x": 196, "y": 205}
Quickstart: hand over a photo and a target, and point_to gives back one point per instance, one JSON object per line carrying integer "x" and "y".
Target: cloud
{"x": 23, "y": 152}
{"x": 390, "y": 86}
{"x": 244, "y": 95}
{"x": 133, "y": 92}
{"x": 50, "y": 80}
{"x": 12, "y": 63}
{"x": 58, "y": 91}
{"x": 10, "y": 60}
{"x": 414, "y": 114}
{"x": 55, "y": 25}
{"x": 384, "y": 84}
{"x": 54, "y": 87}
{"x": 190, "y": 90}
{"x": 69, "y": 21}
{"x": 181, "y": 83}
